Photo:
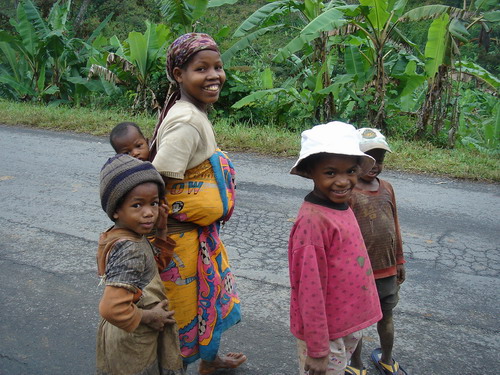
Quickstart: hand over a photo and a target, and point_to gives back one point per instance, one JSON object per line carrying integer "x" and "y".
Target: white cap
{"x": 333, "y": 138}
{"x": 372, "y": 138}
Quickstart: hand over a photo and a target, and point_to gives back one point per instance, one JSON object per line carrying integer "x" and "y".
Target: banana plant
{"x": 366, "y": 31}
{"x": 182, "y": 15}
{"x": 41, "y": 59}
{"x": 134, "y": 61}
{"x": 310, "y": 48}
{"x": 448, "y": 31}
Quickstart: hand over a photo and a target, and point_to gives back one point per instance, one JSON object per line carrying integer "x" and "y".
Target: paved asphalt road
{"x": 447, "y": 320}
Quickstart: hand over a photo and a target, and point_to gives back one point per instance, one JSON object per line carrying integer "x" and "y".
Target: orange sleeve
{"x": 117, "y": 307}
{"x": 166, "y": 248}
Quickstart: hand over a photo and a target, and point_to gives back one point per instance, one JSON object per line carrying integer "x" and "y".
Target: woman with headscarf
{"x": 200, "y": 193}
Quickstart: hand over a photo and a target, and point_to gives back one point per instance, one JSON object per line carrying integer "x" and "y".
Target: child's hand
{"x": 158, "y": 316}
{"x": 316, "y": 366}
{"x": 161, "y": 222}
{"x": 401, "y": 276}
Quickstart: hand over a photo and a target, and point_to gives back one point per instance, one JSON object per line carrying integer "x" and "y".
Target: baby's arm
{"x": 162, "y": 242}
{"x": 161, "y": 222}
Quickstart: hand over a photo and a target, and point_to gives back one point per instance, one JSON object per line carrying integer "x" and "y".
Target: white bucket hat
{"x": 333, "y": 138}
{"x": 372, "y": 138}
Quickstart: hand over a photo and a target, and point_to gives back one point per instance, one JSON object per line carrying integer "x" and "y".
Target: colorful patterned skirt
{"x": 199, "y": 283}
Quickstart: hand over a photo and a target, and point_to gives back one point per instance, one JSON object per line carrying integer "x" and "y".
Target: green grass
{"x": 415, "y": 157}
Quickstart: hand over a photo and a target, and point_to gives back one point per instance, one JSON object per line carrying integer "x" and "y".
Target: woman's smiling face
{"x": 202, "y": 78}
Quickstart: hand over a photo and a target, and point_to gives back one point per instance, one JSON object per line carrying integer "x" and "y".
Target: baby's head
{"x": 127, "y": 138}
{"x": 373, "y": 143}
{"x": 331, "y": 157}
{"x": 130, "y": 192}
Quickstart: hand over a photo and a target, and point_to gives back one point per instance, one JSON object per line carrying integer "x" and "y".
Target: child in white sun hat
{"x": 333, "y": 292}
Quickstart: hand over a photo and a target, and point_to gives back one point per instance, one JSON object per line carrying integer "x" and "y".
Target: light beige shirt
{"x": 186, "y": 138}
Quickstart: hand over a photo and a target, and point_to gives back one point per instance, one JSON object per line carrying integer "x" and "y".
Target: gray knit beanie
{"x": 122, "y": 173}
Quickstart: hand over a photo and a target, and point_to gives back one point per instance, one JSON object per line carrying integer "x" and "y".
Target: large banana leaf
{"x": 104, "y": 73}
{"x": 35, "y": 18}
{"x": 176, "y": 12}
{"x": 458, "y": 30}
{"x": 378, "y": 14}
{"x": 329, "y": 20}
{"x": 256, "y": 96}
{"x": 138, "y": 45}
{"x": 259, "y": 16}
{"x": 143, "y": 49}
{"x": 59, "y": 15}
{"x": 437, "y": 46}
{"x": 434, "y": 11}
{"x": 218, "y": 3}
{"x": 199, "y": 8}
{"x": 245, "y": 42}
{"x": 397, "y": 6}
{"x": 410, "y": 81}
{"x": 27, "y": 32}
{"x": 354, "y": 61}
{"x": 98, "y": 29}
{"x": 9, "y": 56}
{"x": 20, "y": 87}
{"x": 267, "y": 79}
{"x": 478, "y": 72}
{"x": 493, "y": 16}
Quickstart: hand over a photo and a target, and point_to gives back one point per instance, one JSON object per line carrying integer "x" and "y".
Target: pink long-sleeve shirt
{"x": 333, "y": 291}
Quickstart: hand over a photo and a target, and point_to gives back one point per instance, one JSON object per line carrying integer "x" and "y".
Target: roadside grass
{"x": 415, "y": 157}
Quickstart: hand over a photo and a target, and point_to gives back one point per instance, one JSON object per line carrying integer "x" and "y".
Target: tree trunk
{"x": 377, "y": 115}
{"x": 80, "y": 16}
{"x": 432, "y": 97}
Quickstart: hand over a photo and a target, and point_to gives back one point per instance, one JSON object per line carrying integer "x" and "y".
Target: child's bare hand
{"x": 161, "y": 222}
{"x": 401, "y": 273}
{"x": 158, "y": 316}
{"x": 316, "y": 366}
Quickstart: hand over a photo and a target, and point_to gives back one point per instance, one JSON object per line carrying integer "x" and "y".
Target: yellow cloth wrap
{"x": 196, "y": 198}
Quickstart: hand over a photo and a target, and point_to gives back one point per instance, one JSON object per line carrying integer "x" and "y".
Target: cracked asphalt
{"x": 447, "y": 321}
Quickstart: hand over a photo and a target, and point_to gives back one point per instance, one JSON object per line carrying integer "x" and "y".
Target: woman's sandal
{"x": 230, "y": 360}
{"x": 384, "y": 368}
{"x": 349, "y": 370}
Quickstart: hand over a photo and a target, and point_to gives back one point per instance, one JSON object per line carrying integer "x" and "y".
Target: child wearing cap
{"x": 137, "y": 333}
{"x": 333, "y": 292}
{"x": 374, "y": 205}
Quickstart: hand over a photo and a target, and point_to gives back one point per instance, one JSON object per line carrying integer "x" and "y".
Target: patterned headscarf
{"x": 186, "y": 46}
{"x": 179, "y": 52}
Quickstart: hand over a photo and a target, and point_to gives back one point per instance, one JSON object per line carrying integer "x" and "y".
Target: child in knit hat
{"x": 137, "y": 333}
{"x": 127, "y": 138}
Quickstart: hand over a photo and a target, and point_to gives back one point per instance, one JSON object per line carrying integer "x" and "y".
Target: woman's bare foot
{"x": 230, "y": 360}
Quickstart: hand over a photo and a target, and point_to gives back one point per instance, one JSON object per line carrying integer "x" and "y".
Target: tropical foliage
{"x": 41, "y": 60}
{"x": 290, "y": 63}
{"x": 133, "y": 62}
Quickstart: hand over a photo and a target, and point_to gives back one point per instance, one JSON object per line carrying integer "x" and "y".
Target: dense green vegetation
{"x": 423, "y": 71}
{"x": 409, "y": 156}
